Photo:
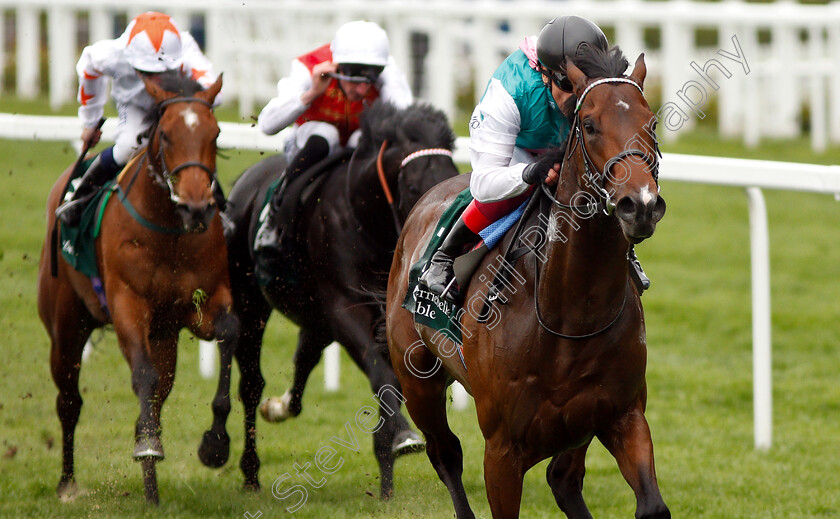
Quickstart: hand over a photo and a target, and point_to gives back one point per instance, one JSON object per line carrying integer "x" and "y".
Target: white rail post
{"x": 834, "y": 81}
{"x": 207, "y": 358}
{"x": 762, "y": 348}
{"x": 332, "y": 367}
{"x": 27, "y": 36}
{"x": 2, "y": 50}
{"x": 677, "y": 42}
{"x": 817, "y": 97}
{"x": 460, "y": 397}
{"x": 752, "y": 91}
{"x": 61, "y": 23}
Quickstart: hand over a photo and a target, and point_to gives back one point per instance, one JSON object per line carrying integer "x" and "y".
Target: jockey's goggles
{"x": 562, "y": 82}
{"x": 356, "y": 73}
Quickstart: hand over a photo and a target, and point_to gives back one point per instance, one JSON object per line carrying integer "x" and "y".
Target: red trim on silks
{"x": 478, "y": 215}
{"x": 332, "y": 106}
{"x": 473, "y": 219}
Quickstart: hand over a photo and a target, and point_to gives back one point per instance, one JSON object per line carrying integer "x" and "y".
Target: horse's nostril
{"x": 626, "y": 209}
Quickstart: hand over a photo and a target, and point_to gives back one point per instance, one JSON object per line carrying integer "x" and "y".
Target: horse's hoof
{"x": 214, "y": 449}
{"x": 148, "y": 447}
{"x": 276, "y": 409}
{"x": 67, "y": 490}
{"x": 251, "y": 486}
{"x": 406, "y": 442}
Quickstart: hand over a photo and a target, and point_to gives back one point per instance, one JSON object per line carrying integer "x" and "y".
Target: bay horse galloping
{"x": 332, "y": 275}
{"x": 560, "y": 356}
{"x": 162, "y": 260}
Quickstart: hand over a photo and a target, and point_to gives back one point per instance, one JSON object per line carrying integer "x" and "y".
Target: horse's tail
{"x": 377, "y": 298}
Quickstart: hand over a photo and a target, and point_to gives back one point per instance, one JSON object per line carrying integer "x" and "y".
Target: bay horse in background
{"x": 162, "y": 260}
{"x": 343, "y": 243}
{"x": 563, "y": 360}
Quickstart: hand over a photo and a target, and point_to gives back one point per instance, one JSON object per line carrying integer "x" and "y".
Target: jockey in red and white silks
{"x": 333, "y": 113}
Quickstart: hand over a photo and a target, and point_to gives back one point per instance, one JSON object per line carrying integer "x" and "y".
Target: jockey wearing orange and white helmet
{"x": 151, "y": 44}
{"x": 326, "y": 91}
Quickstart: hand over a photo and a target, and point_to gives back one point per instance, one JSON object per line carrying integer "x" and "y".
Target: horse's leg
{"x": 425, "y": 399}
{"x": 424, "y": 384}
{"x": 629, "y": 441}
{"x": 215, "y": 444}
{"x": 565, "y": 477}
{"x": 149, "y": 448}
{"x": 251, "y": 382}
{"x": 132, "y": 317}
{"x": 503, "y": 476}
{"x": 355, "y": 328}
{"x": 310, "y": 347}
{"x": 68, "y": 335}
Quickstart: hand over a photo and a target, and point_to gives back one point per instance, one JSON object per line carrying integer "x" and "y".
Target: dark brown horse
{"x": 162, "y": 259}
{"x": 563, "y": 360}
{"x": 336, "y": 264}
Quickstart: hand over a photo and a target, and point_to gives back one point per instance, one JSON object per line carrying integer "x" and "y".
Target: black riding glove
{"x": 538, "y": 171}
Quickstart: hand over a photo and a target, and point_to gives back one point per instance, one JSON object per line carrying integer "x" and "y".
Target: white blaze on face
{"x": 190, "y": 118}
{"x": 646, "y": 195}
{"x": 623, "y": 105}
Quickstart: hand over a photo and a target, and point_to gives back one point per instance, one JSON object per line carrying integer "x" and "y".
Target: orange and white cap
{"x": 153, "y": 43}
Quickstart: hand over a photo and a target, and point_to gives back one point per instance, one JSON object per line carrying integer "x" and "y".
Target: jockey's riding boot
{"x": 100, "y": 171}
{"x": 439, "y": 276}
{"x": 270, "y": 233}
{"x": 639, "y": 278}
{"x": 314, "y": 151}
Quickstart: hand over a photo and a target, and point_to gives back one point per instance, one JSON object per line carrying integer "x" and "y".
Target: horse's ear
{"x": 154, "y": 89}
{"x": 212, "y": 91}
{"x": 576, "y": 76}
{"x": 639, "y": 71}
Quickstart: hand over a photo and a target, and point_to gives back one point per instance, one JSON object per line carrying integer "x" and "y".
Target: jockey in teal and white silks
{"x": 525, "y": 110}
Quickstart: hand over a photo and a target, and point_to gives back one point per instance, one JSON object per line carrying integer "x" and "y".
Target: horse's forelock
{"x": 596, "y": 63}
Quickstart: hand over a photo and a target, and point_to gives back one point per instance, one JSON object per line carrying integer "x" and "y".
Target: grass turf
{"x": 699, "y": 377}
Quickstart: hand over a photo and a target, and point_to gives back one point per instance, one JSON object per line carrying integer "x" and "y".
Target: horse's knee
{"x": 226, "y": 329}
{"x": 221, "y": 405}
{"x": 68, "y": 406}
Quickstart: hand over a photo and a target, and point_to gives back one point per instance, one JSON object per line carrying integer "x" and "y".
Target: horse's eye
{"x": 588, "y": 127}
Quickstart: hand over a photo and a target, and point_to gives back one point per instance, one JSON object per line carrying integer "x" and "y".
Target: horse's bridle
{"x": 597, "y": 177}
{"x": 165, "y": 175}
{"x": 380, "y": 170}
{"x": 605, "y": 203}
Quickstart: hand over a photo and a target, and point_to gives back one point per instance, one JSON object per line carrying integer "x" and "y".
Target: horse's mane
{"x": 419, "y": 122}
{"x": 597, "y": 63}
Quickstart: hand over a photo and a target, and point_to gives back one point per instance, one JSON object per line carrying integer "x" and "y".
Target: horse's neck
{"x": 366, "y": 199}
{"x": 585, "y": 261}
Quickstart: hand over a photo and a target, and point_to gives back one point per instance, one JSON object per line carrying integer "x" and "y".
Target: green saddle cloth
{"x": 77, "y": 243}
{"x": 272, "y": 266}
{"x": 428, "y": 308}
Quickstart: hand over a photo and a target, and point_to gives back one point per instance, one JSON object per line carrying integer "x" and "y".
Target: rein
{"x": 380, "y": 171}
{"x": 603, "y": 204}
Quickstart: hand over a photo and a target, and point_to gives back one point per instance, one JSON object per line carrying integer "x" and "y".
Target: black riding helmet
{"x": 561, "y": 38}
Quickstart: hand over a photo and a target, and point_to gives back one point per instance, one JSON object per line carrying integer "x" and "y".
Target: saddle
{"x": 290, "y": 197}
{"x": 441, "y": 314}
{"x": 287, "y": 199}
